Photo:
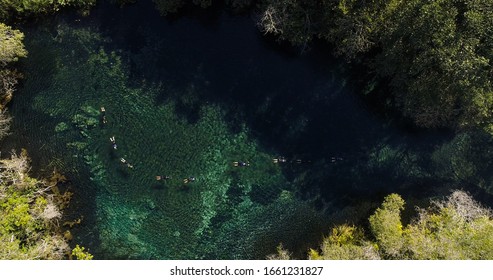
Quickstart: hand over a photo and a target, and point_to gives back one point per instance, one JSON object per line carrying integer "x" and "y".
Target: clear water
{"x": 188, "y": 97}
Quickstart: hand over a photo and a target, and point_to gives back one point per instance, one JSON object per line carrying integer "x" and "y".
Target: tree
{"x": 5, "y": 121}
{"x": 345, "y": 243}
{"x": 172, "y": 6}
{"x": 11, "y": 49}
{"x": 29, "y": 214}
{"x": 355, "y": 27}
{"x": 386, "y": 226}
{"x": 8, "y": 81}
{"x": 466, "y": 159}
{"x": 11, "y": 46}
{"x": 456, "y": 227}
{"x": 80, "y": 253}
{"x": 23, "y": 8}
{"x": 280, "y": 255}
{"x": 290, "y": 20}
{"x": 437, "y": 56}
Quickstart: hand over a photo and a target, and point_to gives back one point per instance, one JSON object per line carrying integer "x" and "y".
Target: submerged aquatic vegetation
{"x": 137, "y": 216}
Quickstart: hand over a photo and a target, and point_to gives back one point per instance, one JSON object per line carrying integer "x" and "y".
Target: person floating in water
{"x": 240, "y": 163}
{"x": 163, "y": 177}
{"x": 103, "y": 115}
{"x": 113, "y": 142}
{"x": 279, "y": 160}
{"x": 124, "y": 161}
{"x": 189, "y": 180}
{"x": 300, "y": 161}
{"x": 335, "y": 159}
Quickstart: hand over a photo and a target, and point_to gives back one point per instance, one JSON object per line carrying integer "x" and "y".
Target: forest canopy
{"x": 433, "y": 56}
{"x": 11, "y": 49}
{"x": 436, "y": 54}
{"x": 29, "y": 214}
{"x": 456, "y": 227}
{"x": 11, "y": 9}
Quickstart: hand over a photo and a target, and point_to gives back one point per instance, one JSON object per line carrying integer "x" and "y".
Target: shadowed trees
{"x": 456, "y": 227}
{"x": 172, "y": 6}
{"x": 436, "y": 54}
{"x": 21, "y": 8}
{"x": 5, "y": 121}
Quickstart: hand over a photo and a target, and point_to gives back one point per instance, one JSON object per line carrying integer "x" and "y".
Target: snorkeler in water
{"x": 103, "y": 115}
{"x": 240, "y": 163}
{"x": 113, "y": 142}
{"x": 189, "y": 180}
{"x": 124, "y": 161}
{"x": 163, "y": 177}
{"x": 336, "y": 159}
{"x": 279, "y": 160}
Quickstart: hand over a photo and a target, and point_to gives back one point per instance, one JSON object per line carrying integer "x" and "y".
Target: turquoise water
{"x": 187, "y": 97}
{"x": 160, "y": 128}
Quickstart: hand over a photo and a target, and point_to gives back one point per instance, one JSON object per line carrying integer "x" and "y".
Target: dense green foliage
{"x": 172, "y": 6}
{"x": 22, "y": 8}
{"x": 466, "y": 160}
{"x": 11, "y": 49}
{"x": 80, "y": 253}
{"x": 345, "y": 243}
{"x": 29, "y": 215}
{"x": 455, "y": 228}
{"x": 386, "y": 225}
{"x": 436, "y": 54}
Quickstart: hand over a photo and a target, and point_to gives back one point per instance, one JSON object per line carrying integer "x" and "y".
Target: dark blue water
{"x": 187, "y": 97}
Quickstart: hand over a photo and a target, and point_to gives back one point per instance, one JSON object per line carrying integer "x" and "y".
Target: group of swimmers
{"x": 282, "y": 159}
{"x": 190, "y": 179}
{"x": 276, "y": 160}
{"x": 124, "y": 161}
{"x": 103, "y": 116}
{"x": 104, "y": 121}
{"x": 167, "y": 177}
